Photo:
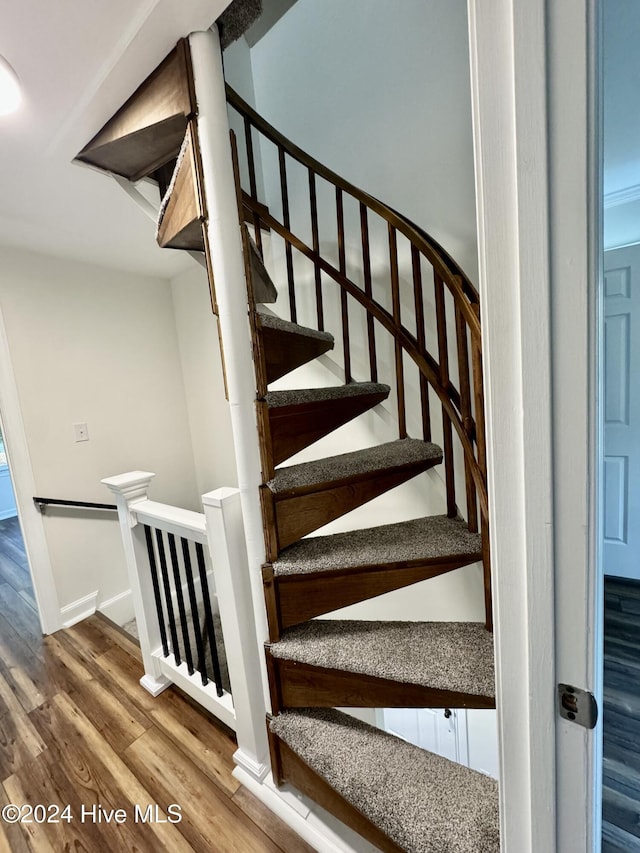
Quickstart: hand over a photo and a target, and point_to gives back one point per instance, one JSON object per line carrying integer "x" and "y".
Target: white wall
{"x": 207, "y": 408}
{"x": 93, "y": 345}
{"x": 379, "y": 91}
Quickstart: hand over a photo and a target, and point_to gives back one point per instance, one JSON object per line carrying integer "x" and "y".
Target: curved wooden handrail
{"x": 441, "y": 261}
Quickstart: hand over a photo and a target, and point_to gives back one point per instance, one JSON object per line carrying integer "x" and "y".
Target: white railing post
{"x": 225, "y": 241}
{"x": 225, "y": 532}
{"x": 129, "y": 490}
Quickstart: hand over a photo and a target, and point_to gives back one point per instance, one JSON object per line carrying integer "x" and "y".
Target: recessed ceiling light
{"x": 10, "y": 95}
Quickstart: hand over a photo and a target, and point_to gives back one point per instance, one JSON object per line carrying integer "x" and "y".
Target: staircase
{"x": 379, "y": 329}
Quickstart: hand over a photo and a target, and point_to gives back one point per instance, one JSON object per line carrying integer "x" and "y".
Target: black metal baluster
{"x": 167, "y": 596}
{"x": 156, "y": 590}
{"x": 181, "y": 608}
{"x": 202, "y": 667}
{"x": 208, "y": 615}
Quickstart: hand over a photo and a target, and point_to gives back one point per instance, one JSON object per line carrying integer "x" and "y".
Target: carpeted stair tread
{"x": 406, "y": 451}
{"x": 456, "y": 656}
{"x": 423, "y": 802}
{"x": 270, "y": 321}
{"x": 433, "y": 537}
{"x": 279, "y": 399}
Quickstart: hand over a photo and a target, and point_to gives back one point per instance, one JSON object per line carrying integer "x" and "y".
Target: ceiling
{"x": 78, "y": 61}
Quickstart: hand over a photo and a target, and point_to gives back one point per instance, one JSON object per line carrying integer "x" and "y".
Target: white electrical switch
{"x": 81, "y": 432}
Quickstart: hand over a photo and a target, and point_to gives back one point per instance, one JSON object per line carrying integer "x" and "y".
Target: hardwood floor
{"x": 621, "y": 769}
{"x": 77, "y": 729}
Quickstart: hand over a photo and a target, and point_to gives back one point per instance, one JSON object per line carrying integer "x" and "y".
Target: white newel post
{"x": 129, "y": 490}
{"x": 225, "y": 532}
{"x": 231, "y": 295}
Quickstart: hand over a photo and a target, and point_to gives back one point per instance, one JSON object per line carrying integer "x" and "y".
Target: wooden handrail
{"x": 454, "y": 372}
{"x": 433, "y": 251}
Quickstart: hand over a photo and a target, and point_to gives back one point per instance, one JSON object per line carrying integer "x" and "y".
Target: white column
{"x": 225, "y": 532}
{"x": 131, "y": 489}
{"x": 231, "y": 295}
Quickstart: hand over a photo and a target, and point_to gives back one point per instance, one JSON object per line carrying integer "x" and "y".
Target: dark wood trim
{"x": 297, "y": 598}
{"x": 147, "y": 131}
{"x": 292, "y": 428}
{"x": 181, "y": 226}
{"x": 301, "y": 685}
{"x": 282, "y": 351}
{"x": 271, "y": 602}
{"x": 291, "y": 768}
{"x": 274, "y": 755}
{"x": 307, "y": 508}
{"x": 272, "y": 545}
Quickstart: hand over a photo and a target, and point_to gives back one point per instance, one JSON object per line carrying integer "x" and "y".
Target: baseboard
{"x": 313, "y": 828}
{"x": 8, "y": 513}
{"x": 78, "y": 610}
{"x": 119, "y": 608}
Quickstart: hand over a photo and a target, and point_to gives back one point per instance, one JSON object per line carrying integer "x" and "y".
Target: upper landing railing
{"x": 358, "y": 268}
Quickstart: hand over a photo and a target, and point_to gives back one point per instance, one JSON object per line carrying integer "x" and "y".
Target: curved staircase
{"x": 396, "y": 795}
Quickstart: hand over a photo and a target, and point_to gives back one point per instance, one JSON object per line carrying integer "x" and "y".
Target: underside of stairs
{"x": 398, "y": 796}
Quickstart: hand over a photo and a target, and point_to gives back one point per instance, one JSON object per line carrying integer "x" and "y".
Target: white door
{"x": 621, "y": 413}
{"x": 433, "y": 729}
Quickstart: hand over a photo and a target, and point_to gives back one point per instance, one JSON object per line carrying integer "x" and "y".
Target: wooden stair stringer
{"x": 147, "y": 131}
{"x": 295, "y": 598}
{"x": 286, "y": 766}
{"x": 300, "y": 685}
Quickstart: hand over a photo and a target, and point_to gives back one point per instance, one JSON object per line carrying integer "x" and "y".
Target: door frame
{"x": 535, "y": 105}
{"x": 24, "y": 488}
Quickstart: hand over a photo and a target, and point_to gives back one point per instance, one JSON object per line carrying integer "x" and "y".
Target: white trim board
{"x": 508, "y": 94}
{"x": 119, "y": 608}
{"x": 624, "y": 196}
{"x": 78, "y": 610}
{"x": 24, "y": 488}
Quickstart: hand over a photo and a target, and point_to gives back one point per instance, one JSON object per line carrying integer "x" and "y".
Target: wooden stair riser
{"x": 181, "y": 226}
{"x": 288, "y": 429}
{"x": 286, "y": 766}
{"x": 298, "y": 685}
{"x": 293, "y": 599}
{"x": 147, "y": 131}
{"x": 293, "y": 516}
{"x": 264, "y": 290}
{"x": 280, "y": 352}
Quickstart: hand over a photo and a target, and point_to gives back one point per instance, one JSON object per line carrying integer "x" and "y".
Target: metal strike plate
{"x": 577, "y": 705}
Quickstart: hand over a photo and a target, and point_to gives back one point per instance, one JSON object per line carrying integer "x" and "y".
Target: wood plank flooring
{"x": 77, "y": 729}
{"x": 621, "y": 768}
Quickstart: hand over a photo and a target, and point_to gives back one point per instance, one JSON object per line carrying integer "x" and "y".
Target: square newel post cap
{"x": 131, "y": 486}
{"x": 218, "y": 497}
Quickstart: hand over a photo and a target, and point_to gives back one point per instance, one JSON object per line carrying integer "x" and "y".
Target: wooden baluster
{"x": 467, "y": 416}
{"x": 366, "y": 264}
{"x": 447, "y": 430}
{"x": 253, "y": 186}
{"x": 342, "y": 263}
{"x": 286, "y": 220}
{"x": 395, "y": 298}
{"x": 313, "y": 204}
{"x": 422, "y": 340}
